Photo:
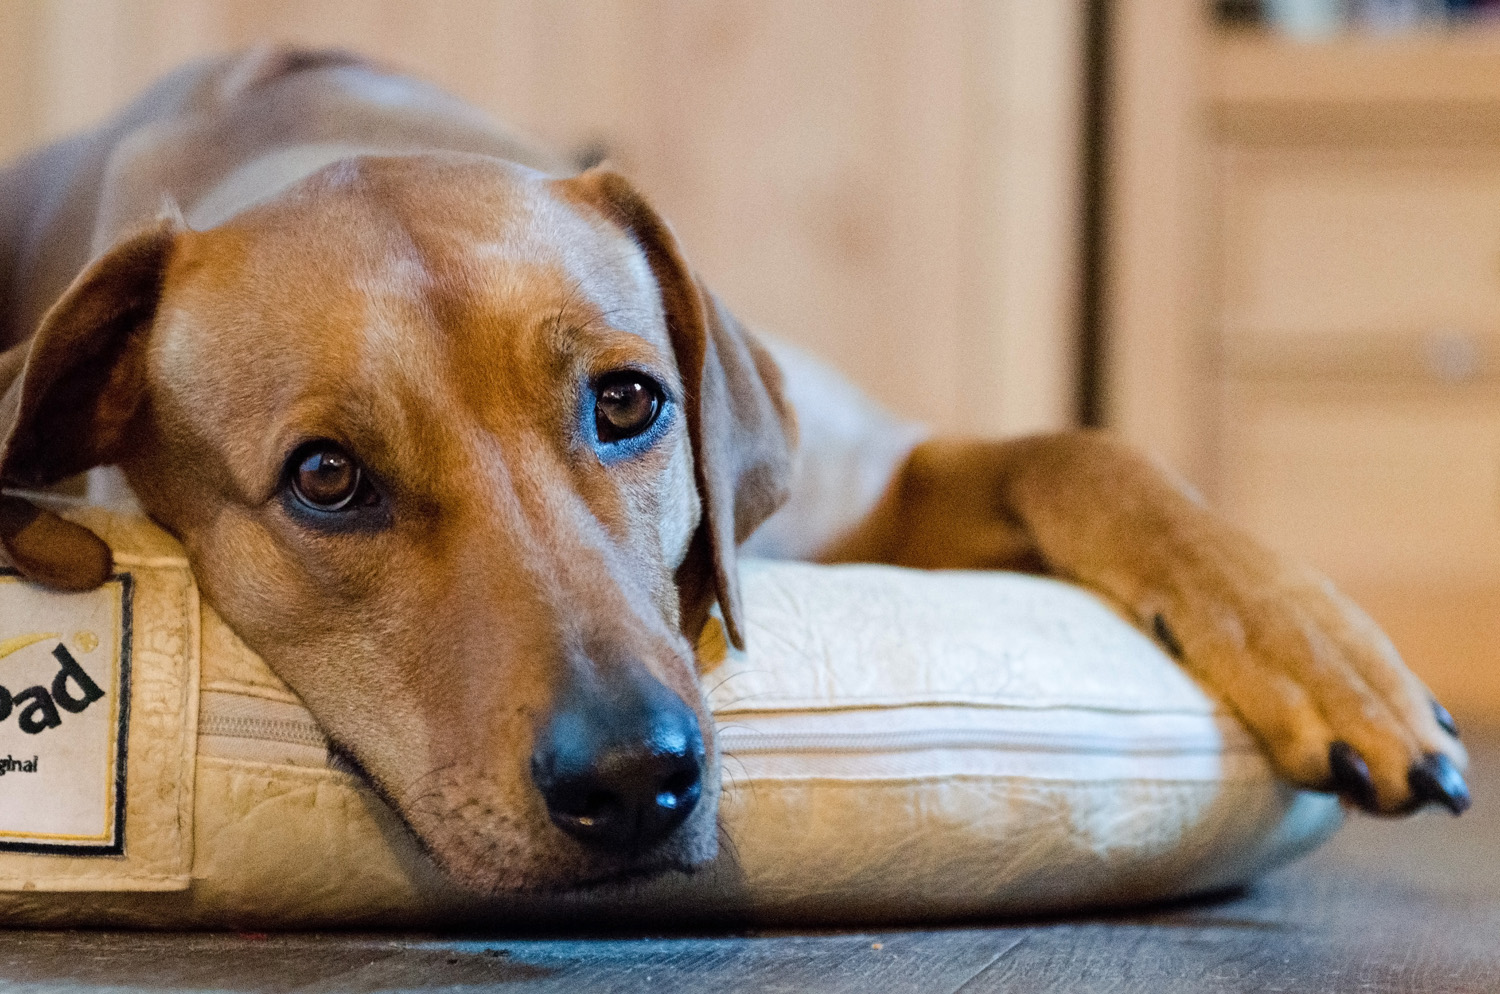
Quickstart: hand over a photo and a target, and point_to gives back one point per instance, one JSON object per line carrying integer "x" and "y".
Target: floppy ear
{"x": 743, "y": 432}
{"x": 80, "y": 382}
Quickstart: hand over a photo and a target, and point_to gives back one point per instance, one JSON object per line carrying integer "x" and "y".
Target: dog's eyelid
{"x": 306, "y": 442}
{"x": 661, "y": 383}
{"x": 627, "y": 352}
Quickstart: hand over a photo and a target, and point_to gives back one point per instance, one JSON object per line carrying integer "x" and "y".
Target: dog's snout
{"x": 620, "y": 768}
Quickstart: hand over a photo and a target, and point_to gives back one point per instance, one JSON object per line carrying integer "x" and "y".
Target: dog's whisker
{"x": 726, "y": 840}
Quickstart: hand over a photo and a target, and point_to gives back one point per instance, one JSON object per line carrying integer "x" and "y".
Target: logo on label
{"x": 37, "y": 709}
{"x": 64, "y": 717}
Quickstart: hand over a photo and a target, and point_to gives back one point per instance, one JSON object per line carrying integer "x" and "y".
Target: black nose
{"x": 619, "y": 766}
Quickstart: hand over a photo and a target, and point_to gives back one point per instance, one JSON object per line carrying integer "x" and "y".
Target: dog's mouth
{"x": 342, "y": 760}
{"x": 621, "y": 878}
{"x": 477, "y": 865}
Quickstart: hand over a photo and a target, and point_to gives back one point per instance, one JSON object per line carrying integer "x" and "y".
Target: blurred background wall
{"x": 1261, "y": 238}
{"x": 891, "y": 183}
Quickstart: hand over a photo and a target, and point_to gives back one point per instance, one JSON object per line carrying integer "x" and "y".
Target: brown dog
{"x": 465, "y": 451}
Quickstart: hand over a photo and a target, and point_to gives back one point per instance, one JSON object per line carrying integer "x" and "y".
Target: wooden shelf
{"x": 1439, "y": 86}
{"x": 1456, "y": 67}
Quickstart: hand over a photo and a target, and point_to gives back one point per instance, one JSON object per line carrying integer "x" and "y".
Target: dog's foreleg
{"x": 1307, "y": 671}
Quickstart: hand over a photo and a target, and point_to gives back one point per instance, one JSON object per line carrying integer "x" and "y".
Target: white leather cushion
{"x": 940, "y": 744}
{"x": 897, "y": 745}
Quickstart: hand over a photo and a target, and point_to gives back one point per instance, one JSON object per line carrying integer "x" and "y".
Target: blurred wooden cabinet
{"x": 1339, "y": 316}
{"x": 892, "y": 184}
{"x": 1357, "y": 305}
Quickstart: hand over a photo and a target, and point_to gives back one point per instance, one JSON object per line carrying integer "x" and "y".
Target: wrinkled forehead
{"x": 374, "y": 269}
{"x": 465, "y": 232}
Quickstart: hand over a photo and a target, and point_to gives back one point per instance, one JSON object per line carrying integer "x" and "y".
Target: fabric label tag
{"x": 64, "y": 717}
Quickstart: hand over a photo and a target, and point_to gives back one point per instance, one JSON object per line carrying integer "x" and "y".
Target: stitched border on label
{"x": 116, "y": 846}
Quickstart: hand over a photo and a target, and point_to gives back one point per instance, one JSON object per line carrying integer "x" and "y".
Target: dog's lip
{"x": 651, "y": 867}
{"x": 623, "y": 878}
{"x": 617, "y": 877}
{"x": 342, "y": 760}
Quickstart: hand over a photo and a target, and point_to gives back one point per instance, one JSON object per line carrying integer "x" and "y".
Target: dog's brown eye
{"x": 326, "y": 477}
{"x": 626, "y": 405}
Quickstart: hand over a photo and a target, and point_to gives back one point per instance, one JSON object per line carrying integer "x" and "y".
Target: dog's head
{"x": 464, "y": 453}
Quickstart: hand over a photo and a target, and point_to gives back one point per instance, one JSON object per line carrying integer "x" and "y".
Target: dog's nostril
{"x": 679, "y": 788}
{"x": 597, "y": 803}
{"x": 586, "y": 809}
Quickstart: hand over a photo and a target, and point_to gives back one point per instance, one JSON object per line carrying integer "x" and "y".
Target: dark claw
{"x": 1351, "y": 777}
{"x": 1437, "y": 779}
{"x": 1444, "y": 719}
{"x": 1166, "y": 636}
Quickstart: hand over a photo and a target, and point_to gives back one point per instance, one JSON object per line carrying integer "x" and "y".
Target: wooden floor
{"x": 1387, "y": 906}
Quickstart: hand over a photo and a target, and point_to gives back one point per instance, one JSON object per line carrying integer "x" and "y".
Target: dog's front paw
{"x": 1312, "y": 676}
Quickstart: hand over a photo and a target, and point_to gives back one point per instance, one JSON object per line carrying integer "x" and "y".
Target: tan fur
{"x": 351, "y": 255}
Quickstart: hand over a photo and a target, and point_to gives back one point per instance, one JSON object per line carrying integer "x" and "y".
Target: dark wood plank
{"x": 838, "y": 964}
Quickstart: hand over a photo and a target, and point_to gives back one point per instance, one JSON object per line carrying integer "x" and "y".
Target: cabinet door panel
{"x": 1369, "y": 486}
{"x": 1346, "y": 244}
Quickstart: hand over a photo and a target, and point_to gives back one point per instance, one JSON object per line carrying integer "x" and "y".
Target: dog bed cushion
{"x": 897, "y": 746}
